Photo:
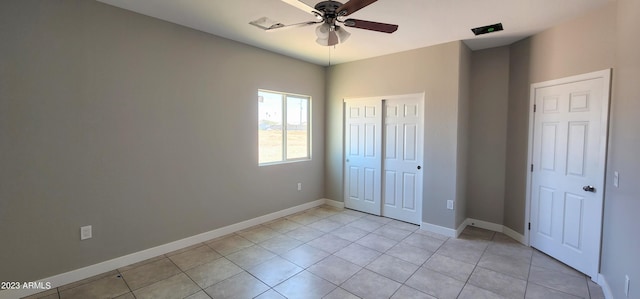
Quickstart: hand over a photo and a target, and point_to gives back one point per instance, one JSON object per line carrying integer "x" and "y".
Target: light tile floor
{"x": 330, "y": 253}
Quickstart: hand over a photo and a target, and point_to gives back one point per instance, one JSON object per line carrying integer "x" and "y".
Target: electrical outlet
{"x": 626, "y": 285}
{"x": 450, "y": 204}
{"x": 616, "y": 179}
{"x": 299, "y": 186}
{"x": 85, "y": 232}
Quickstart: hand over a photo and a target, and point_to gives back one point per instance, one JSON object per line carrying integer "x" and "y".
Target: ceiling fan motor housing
{"x": 329, "y": 8}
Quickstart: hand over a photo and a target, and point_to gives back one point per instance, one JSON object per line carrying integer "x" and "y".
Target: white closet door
{"x": 363, "y": 155}
{"x": 383, "y": 156}
{"x": 402, "y": 163}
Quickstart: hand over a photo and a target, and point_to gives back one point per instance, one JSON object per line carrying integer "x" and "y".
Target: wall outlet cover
{"x": 85, "y": 232}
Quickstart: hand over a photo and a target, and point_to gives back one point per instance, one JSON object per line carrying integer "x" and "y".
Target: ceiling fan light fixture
{"x": 343, "y": 35}
{"x": 322, "y": 41}
{"x": 322, "y": 31}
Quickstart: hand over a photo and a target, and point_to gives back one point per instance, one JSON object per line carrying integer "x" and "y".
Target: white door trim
{"x": 606, "y": 76}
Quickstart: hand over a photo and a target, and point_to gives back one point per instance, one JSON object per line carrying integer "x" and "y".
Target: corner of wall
{"x": 464, "y": 98}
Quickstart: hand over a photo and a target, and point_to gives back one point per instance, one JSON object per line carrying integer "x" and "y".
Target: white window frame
{"x": 284, "y": 159}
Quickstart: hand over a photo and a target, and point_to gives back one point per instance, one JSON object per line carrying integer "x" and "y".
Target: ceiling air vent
{"x": 265, "y": 23}
{"x": 487, "y": 29}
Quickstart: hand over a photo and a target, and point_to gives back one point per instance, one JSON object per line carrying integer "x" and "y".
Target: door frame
{"x": 606, "y": 76}
{"x": 421, "y": 97}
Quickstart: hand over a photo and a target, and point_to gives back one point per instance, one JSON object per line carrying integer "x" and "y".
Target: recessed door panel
{"x": 354, "y": 140}
{"x": 548, "y": 144}
{"x": 370, "y": 144}
{"x": 550, "y": 104}
{"x": 369, "y": 185}
{"x": 409, "y": 199}
{"x": 579, "y": 102}
{"x": 545, "y": 212}
{"x": 391, "y": 140}
{"x": 410, "y": 142}
{"x": 354, "y": 182}
{"x": 390, "y": 188}
{"x": 572, "y": 226}
{"x": 577, "y": 148}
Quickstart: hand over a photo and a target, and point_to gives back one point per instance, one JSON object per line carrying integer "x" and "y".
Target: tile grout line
{"x": 326, "y": 216}
{"x": 526, "y": 289}
{"x": 476, "y": 266}
{"x": 125, "y": 282}
{"x": 185, "y": 274}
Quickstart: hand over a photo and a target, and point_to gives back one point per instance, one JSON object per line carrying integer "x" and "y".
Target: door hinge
{"x": 534, "y": 108}
{"x": 529, "y": 225}
{"x": 531, "y": 167}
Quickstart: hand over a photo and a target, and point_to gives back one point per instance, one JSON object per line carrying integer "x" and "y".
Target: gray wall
{"x": 621, "y": 243}
{"x": 142, "y": 128}
{"x": 604, "y": 38}
{"x": 488, "y": 135}
{"x": 582, "y": 45}
{"x": 433, "y": 70}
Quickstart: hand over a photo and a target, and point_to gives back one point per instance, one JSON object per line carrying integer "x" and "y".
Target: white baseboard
{"x": 334, "y": 203}
{"x": 106, "y": 266}
{"x": 514, "y": 235}
{"x": 445, "y": 231}
{"x": 484, "y": 224}
{"x": 605, "y": 286}
{"x": 496, "y": 228}
{"x": 460, "y": 228}
{"x": 454, "y": 233}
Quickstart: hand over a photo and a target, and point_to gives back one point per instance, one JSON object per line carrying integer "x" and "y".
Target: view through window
{"x": 283, "y": 127}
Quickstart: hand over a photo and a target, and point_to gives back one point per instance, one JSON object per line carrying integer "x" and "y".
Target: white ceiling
{"x": 421, "y": 23}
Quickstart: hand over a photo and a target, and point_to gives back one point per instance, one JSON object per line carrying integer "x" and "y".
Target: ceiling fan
{"x": 329, "y": 14}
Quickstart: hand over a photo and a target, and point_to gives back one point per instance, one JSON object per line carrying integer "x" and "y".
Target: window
{"x": 283, "y": 127}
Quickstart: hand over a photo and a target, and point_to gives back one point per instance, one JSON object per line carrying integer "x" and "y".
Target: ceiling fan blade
{"x": 369, "y": 25}
{"x": 279, "y": 26}
{"x": 333, "y": 38}
{"x": 353, "y": 6}
{"x": 302, "y": 6}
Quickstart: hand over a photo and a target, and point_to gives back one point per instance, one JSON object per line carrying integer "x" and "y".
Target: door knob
{"x": 419, "y": 167}
{"x": 589, "y": 188}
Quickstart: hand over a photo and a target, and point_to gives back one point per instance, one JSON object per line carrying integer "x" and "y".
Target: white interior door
{"x": 568, "y": 156}
{"x": 363, "y": 155}
{"x": 402, "y": 163}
